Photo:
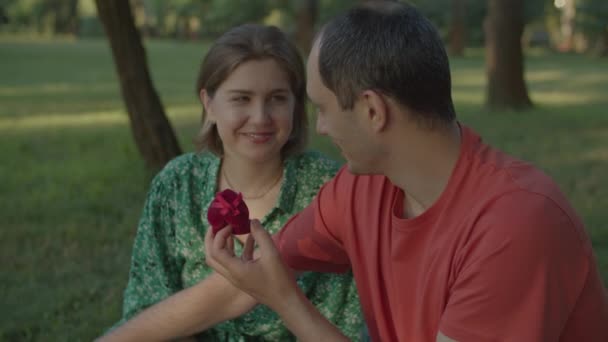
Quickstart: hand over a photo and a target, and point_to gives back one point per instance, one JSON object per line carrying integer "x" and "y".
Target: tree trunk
{"x": 457, "y": 33}
{"x": 306, "y": 15}
{"x": 152, "y": 131}
{"x": 65, "y": 15}
{"x": 601, "y": 46}
{"x": 503, "y": 28}
{"x": 567, "y": 26}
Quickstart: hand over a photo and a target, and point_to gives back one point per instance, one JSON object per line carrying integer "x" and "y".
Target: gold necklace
{"x": 262, "y": 195}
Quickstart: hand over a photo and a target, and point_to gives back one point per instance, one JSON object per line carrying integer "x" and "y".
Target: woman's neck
{"x": 251, "y": 179}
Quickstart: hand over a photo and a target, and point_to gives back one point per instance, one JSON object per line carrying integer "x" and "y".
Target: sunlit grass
{"x": 88, "y": 119}
{"x": 73, "y": 183}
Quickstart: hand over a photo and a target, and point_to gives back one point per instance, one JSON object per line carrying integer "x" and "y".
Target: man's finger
{"x": 261, "y": 236}
{"x": 209, "y": 258}
{"x": 230, "y": 244}
{"x": 215, "y": 244}
{"x": 248, "y": 249}
{"x": 220, "y": 239}
{"x": 209, "y": 237}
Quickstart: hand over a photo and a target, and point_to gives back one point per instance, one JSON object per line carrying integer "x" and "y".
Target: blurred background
{"x": 97, "y": 95}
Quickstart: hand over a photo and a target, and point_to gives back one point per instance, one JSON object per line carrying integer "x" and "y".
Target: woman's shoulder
{"x": 187, "y": 165}
{"x": 311, "y": 169}
{"x": 316, "y": 164}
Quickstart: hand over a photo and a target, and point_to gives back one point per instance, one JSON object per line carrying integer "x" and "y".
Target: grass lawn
{"x": 72, "y": 183}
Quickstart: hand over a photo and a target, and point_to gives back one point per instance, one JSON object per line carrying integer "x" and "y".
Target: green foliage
{"x": 592, "y": 16}
{"x": 46, "y": 17}
{"x": 439, "y": 12}
{"x": 73, "y": 183}
{"x": 329, "y": 8}
{"x": 221, "y": 14}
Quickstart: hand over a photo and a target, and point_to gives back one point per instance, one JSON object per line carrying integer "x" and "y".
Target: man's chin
{"x": 359, "y": 170}
{"x": 353, "y": 169}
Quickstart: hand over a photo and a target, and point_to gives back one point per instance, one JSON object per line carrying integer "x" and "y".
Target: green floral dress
{"x": 169, "y": 253}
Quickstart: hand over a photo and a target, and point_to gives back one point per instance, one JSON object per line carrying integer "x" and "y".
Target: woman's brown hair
{"x": 253, "y": 42}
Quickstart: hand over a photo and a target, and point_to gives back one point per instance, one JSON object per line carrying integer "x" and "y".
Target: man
{"x": 448, "y": 238}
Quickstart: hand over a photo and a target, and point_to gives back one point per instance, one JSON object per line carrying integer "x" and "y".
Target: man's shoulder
{"x": 527, "y": 216}
{"x": 495, "y": 173}
{"x": 516, "y": 197}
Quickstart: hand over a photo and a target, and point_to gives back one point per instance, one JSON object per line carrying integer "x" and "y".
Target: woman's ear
{"x": 377, "y": 109}
{"x": 206, "y": 101}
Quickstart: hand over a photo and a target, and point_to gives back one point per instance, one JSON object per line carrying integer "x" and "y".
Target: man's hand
{"x": 262, "y": 275}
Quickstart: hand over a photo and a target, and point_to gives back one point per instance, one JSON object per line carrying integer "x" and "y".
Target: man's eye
{"x": 240, "y": 99}
{"x": 279, "y": 98}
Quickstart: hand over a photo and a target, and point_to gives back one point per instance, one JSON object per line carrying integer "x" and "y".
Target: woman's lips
{"x": 258, "y": 138}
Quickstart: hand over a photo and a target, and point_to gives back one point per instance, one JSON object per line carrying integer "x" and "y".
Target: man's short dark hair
{"x": 389, "y": 47}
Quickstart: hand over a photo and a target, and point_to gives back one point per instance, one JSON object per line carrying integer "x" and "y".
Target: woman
{"x": 252, "y": 87}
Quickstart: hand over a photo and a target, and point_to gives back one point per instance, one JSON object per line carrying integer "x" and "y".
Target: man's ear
{"x": 206, "y": 101}
{"x": 377, "y": 109}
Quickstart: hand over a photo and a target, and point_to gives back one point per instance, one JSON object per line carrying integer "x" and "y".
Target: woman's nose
{"x": 262, "y": 113}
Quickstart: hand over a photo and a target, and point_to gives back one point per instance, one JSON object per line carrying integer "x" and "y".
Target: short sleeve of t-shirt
{"x": 520, "y": 276}
{"x": 313, "y": 240}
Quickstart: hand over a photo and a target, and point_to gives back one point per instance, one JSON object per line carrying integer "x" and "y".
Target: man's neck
{"x": 422, "y": 166}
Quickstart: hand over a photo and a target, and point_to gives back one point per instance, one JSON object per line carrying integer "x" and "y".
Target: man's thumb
{"x": 260, "y": 235}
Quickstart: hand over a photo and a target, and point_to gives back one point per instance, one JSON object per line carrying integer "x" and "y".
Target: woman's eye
{"x": 279, "y": 98}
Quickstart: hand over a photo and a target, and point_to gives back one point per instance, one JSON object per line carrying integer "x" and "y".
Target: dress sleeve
{"x": 336, "y": 297}
{"x": 154, "y": 273}
{"x": 519, "y": 276}
{"x": 312, "y": 240}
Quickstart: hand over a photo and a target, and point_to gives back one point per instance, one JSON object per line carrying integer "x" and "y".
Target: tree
{"x": 592, "y": 19}
{"x": 60, "y": 16}
{"x": 306, "y": 15}
{"x": 152, "y": 131}
{"x": 457, "y": 33}
{"x": 503, "y": 26}
{"x": 567, "y": 25}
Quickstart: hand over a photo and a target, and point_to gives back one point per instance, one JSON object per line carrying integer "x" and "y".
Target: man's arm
{"x": 521, "y": 274}
{"x": 266, "y": 278}
{"x": 185, "y": 313}
{"x": 442, "y": 338}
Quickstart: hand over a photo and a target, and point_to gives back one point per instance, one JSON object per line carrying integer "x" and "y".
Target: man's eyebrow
{"x": 240, "y": 91}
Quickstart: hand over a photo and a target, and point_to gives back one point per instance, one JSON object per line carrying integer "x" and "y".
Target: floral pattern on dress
{"x": 169, "y": 253}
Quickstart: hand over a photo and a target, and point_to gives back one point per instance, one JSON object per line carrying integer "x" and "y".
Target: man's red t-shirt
{"x": 501, "y": 255}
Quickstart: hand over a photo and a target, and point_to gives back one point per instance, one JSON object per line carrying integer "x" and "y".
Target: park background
{"x": 530, "y": 76}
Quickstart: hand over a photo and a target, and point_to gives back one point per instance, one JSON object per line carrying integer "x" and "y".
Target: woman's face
{"x": 253, "y": 111}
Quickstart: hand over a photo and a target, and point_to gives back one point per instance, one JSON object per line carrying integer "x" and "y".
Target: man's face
{"x": 345, "y": 127}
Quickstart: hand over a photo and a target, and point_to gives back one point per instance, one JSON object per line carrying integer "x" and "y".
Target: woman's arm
{"x": 186, "y": 313}
{"x": 156, "y": 307}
